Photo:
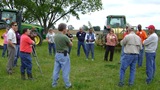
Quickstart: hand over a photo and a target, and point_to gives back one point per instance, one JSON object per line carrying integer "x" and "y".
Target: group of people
{"x": 133, "y": 46}
{"x": 18, "y": 46}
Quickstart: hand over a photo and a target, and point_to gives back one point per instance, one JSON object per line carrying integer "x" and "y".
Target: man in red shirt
{"x": 25, "y": 54}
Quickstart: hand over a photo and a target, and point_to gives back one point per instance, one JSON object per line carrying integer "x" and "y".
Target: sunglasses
{"x": 14, "y": 25}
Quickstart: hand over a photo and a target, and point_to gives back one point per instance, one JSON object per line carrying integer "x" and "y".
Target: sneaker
{"x": 69, "y": 87}
{"x": 92, "y": 59}
{"x": 87, "y": 59}
{"x": 120, "y": 84}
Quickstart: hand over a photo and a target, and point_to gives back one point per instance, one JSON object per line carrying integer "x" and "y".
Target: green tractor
{"x": 7, "y": 16}
{"x": 117, "y": 23}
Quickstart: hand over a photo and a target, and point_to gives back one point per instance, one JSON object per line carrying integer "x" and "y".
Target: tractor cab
{"x": 6, "y": 17}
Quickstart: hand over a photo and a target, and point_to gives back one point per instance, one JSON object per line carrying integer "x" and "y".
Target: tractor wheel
{"x": 38, "y": 39}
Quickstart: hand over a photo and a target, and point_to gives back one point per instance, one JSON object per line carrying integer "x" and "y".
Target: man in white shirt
{"x": 11, "y": 37}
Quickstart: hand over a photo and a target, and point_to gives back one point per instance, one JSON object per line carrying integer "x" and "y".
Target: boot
{"x": 30, "y": 76}
{"x": 23, "y": 76}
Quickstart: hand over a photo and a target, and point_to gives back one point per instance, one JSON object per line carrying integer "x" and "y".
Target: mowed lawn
{"x": 85, "y": 75}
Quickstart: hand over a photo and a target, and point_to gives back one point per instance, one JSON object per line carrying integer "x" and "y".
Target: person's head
{"x": 81, "y": 29}
{"x": 127, "y": 28}
{"x": 151, "y": 29}
{"x": 62, "y": 27}
{"x": 90, "y": 30}
{"x": 14, "y": 26}
{"x": 111, "y": 31}
{"x": 7, "y": 28}
{"x": 139, "y": 27}
{"x": 26, "y": 31}
{"x": 50, "y": 30}
{"x": 130, "y": 29}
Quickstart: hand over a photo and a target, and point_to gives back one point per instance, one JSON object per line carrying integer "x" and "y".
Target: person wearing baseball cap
{"x": 151, "y": 44}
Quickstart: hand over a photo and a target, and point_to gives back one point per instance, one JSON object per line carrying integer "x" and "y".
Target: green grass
{"x": 85, "y": 75}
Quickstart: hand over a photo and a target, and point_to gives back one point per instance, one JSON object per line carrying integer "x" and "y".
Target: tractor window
{"x": 117, "y": 22}
{"x": 9, "y": 17}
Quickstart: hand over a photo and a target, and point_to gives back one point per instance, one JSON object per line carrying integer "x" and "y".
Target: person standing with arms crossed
{"x": 11, "y": 37}
{"x": 62, "y": 59}
{"x": 151, "y": 44}
{"x": 132, "y": 45}
{"x": 81, "y": 38}
{"x": 25, "y": 54}
{"x": 142, "y": 34}
{"x": 70, "y": 36}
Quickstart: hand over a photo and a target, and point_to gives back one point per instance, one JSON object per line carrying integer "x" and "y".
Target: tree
{"x": 48, "y": 12}
{"x": 70, "y": 27}
{"x": 85, "y": 28}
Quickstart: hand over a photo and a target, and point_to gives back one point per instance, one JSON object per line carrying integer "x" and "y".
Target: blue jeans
{"x": 61, "y": 62}
{"x": 26, "y": 63}
{"x": 51, "y": 46}
{"x": 79, "y": 46}
{"x": 140, "y": 57}
{"x": 90, "y": 47}
{"x": 4, "y": 50}
{"x": 122, "y": 53}
{"x": 128, "y": 60}
{"x": 16, "y": 55}
{"x": 150, "y": 66}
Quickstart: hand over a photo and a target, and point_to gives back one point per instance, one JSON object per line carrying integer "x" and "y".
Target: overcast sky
{"x": 144, "y": 12}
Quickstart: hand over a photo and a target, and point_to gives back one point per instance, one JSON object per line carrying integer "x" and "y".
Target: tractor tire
{"x": 38, "y": 39}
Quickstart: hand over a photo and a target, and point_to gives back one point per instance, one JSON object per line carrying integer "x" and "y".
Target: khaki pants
{"x": 11, "y": 56}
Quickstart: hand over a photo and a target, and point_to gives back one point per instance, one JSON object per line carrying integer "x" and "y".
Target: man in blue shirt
{"x": 81, "y": 38}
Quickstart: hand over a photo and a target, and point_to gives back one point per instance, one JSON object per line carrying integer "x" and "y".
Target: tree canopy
{"x": 48, "y": 12}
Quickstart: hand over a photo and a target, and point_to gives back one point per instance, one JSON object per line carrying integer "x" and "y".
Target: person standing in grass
{"x": 62, "y": 59}
{"x": 25, "y": 54}
{"x": 111, "y": 42}
{"x": 142, "y": 34}
{"x": 70, "y": 36}
{"x": 151, "y": 44}
{"x": 4, "y": 36}
{"x": 132, "y": 45}
{"x": 81, "y": 38}
{"x": 90, "y": 40}
{"x": 50, "y": 38}
{"x": 11, "y": 46}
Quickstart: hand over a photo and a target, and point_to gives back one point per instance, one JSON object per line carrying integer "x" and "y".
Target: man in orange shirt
{"x": 142, "y": 34}
{"x": 25, "y": 54}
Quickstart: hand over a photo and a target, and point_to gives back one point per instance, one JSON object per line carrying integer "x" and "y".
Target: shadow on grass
{"x": 79, "y": 85}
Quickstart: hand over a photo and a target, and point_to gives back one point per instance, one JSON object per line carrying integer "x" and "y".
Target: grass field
{"x": 85, "y": 75}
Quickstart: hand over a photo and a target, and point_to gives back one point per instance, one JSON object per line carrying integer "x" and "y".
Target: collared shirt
{"x": 111, "y": 39}
{"x": 50, "y": 37}
{"x": 151, "y": 43}
{"x": 90, "y": 36}
{"x": 142, "y": 34}
{"x": 132, "y": 43}
{"x": 11, "y": 36}
{"x": 26, "y": 43}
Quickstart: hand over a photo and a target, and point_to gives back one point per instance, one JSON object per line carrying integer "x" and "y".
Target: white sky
{"x": 144, "y": 12}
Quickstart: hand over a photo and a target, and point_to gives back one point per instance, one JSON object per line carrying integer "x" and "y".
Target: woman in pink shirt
{"x": 111, "y": 42}
{"x": 4, "y": 36}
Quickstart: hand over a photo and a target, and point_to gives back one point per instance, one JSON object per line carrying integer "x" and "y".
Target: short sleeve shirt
{"x": 11, "y": 36}
{"x": 61, "y": 42}
{"x": 50, "y": 37}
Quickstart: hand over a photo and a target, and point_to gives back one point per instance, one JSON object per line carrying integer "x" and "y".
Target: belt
{"x": 131, "y": 53}
{"x": 60, "y": 52}
{"x": 25, "y": 52}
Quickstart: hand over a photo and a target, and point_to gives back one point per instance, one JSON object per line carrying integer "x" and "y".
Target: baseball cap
{"x": 151, "y": 27}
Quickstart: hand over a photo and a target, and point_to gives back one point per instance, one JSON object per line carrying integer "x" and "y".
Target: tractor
{"x": 8, "y": 15}
{"x": 117, "y": 23}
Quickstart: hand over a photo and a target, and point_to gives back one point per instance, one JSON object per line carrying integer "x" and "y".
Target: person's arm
{"x": 10, "y": 43}
{"x": 148, "y": 41}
